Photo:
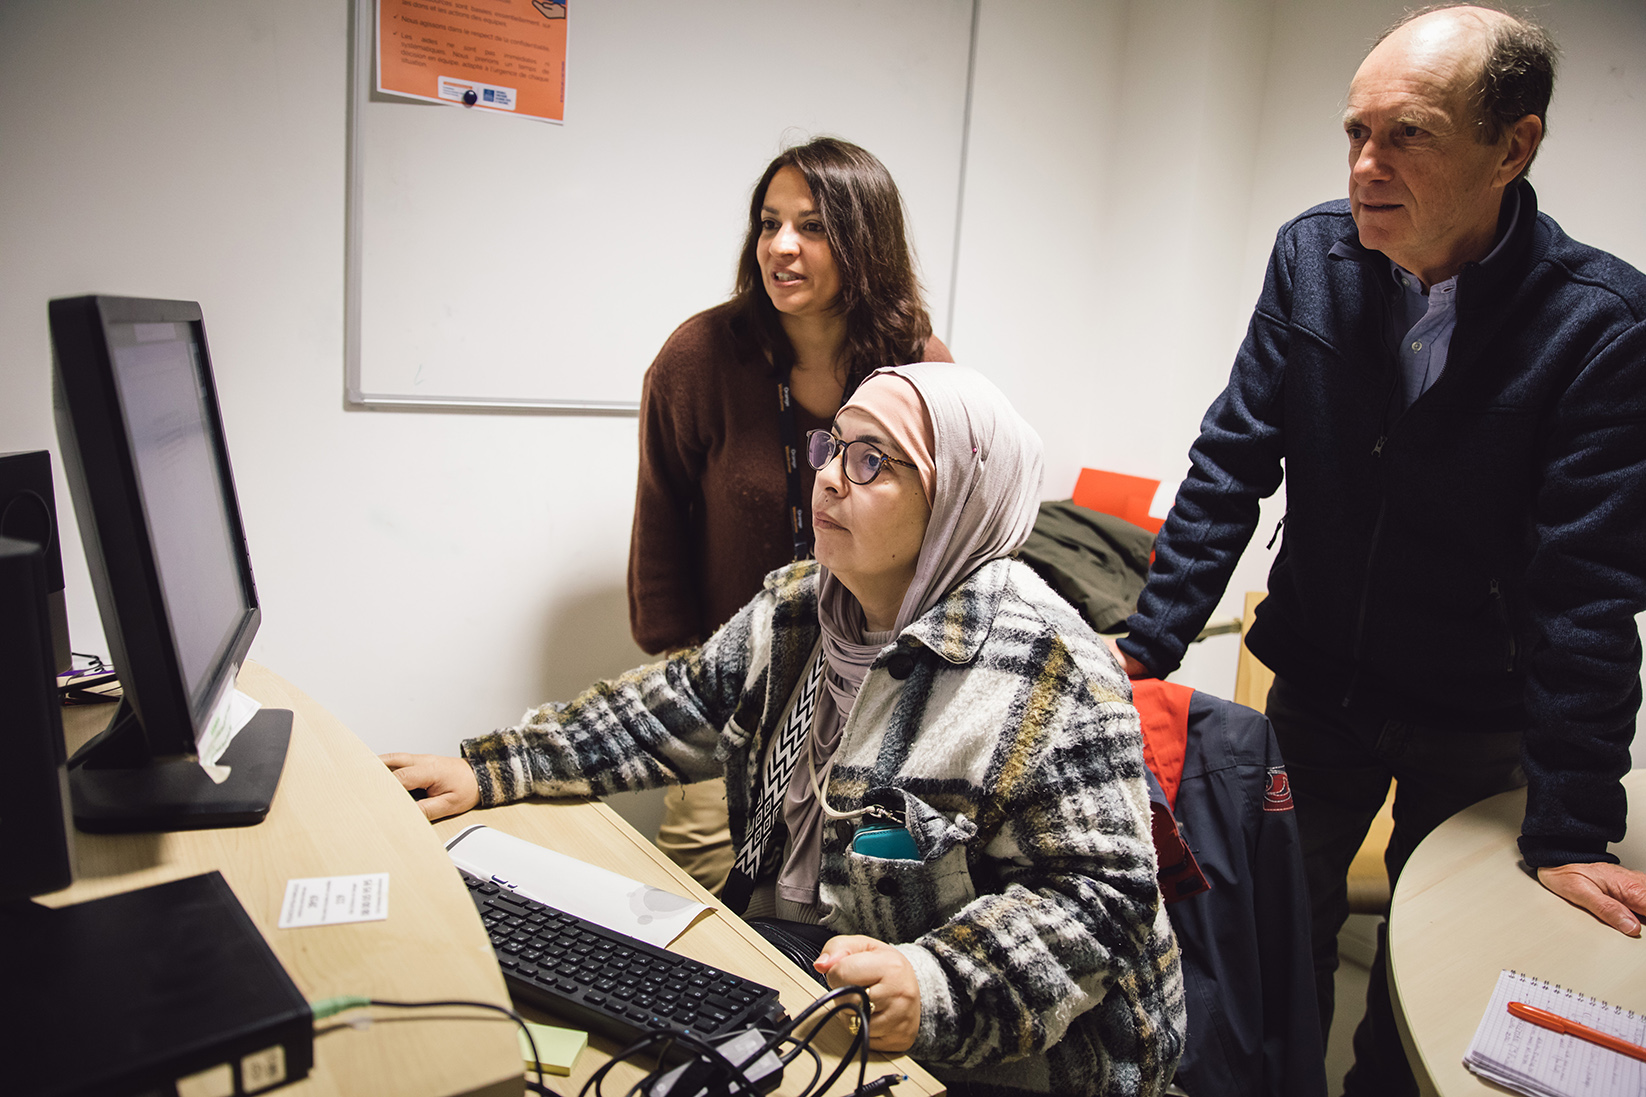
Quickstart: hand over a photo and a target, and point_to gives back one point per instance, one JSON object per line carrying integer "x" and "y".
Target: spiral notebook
{"x": 1535, "y": 1061}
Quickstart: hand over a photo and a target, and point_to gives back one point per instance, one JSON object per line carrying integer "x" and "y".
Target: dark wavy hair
{"x": 1516, "y": 75}
{"x": 886, "y": 321}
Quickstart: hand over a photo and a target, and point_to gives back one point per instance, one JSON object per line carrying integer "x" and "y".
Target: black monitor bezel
{"x": 115, "y": 528}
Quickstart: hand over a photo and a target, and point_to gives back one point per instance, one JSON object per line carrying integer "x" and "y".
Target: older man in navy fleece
{"x": 1457, "y": 393}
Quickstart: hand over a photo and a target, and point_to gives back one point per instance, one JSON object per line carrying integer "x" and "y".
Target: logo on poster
{"x": 475, "y": 93}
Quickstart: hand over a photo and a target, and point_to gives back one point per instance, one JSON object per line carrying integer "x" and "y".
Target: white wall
{"x": 1102, "y": 274}
{"x": 424, "y": 576}
{"x": 1128, "y": 168}
{"x": 427, "y": 576}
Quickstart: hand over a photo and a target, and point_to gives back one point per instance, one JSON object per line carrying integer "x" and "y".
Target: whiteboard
{"x": 502, "y": 262}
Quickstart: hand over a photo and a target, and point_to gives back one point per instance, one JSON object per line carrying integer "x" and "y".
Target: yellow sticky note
{"x": 557, "y": 1048}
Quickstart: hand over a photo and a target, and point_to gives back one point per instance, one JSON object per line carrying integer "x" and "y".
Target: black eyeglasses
{"x": 864, "y": 460}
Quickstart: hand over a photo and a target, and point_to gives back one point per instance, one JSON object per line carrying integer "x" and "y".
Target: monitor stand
{"x": 116, "y": 788}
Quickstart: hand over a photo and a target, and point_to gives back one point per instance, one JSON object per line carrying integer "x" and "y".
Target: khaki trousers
{"x": 694, "y": 833}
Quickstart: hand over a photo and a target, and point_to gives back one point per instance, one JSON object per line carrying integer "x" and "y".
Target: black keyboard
{"x": 607, "y": 982}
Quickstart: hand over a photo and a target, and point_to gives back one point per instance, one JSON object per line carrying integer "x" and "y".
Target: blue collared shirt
{"x": 1430, "y": 318}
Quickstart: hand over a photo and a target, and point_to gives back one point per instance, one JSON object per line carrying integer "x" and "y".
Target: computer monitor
{"x": 148, "y": 468}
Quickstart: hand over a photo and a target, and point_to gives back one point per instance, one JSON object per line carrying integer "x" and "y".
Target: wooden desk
{"x": 1464, "y": 910}
{"x": 593, "y": 832}
{"x": 339, "y": 812}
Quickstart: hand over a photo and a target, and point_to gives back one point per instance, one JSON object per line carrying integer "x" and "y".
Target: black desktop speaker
{"x": 28, "y": 512}
{"x": 35, "y": 854}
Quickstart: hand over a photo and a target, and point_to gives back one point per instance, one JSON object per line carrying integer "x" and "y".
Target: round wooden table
{"x": 1464, "y": 910}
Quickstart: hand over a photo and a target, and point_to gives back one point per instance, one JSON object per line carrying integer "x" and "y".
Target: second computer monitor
{"x": 148, "y": 466}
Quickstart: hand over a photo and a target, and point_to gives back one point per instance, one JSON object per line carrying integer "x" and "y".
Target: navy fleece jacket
{"x": 1481, "y": 555}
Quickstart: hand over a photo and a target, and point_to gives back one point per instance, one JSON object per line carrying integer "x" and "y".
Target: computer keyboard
{"x": 607, "y": 982}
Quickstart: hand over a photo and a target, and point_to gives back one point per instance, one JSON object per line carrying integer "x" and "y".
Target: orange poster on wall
{"x": 502, "y": 55}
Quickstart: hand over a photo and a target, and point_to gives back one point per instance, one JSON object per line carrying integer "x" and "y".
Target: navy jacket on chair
{"x": 1254, "y": 1028}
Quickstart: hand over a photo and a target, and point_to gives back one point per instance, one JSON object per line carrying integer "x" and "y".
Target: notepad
{"x": 557, "y": 1048}
{"x": 1535, "y": 1061}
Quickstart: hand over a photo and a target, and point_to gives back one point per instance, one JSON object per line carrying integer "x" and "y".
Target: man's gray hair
{"x": 1517, "y": 75}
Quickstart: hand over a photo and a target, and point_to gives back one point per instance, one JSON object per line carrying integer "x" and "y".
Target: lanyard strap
{"x": 757, "y": 857}
{"x": 790, "y": 432}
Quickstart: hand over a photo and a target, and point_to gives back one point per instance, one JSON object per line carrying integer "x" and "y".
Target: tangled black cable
{"x": 729, "y": 1075}
{"x": 732, "y": 1077}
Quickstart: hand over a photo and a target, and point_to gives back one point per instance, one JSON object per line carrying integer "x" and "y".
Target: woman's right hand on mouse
{"x": 449, "y": 782}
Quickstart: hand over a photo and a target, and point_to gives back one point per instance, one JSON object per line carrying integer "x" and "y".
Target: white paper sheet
{"x": 576, "y": 887}
{"x": 232, "y": 712}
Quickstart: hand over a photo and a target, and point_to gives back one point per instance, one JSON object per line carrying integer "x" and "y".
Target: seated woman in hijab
{"x": 912, "y": 674}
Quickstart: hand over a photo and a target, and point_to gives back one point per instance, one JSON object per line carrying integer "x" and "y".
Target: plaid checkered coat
{"x": 1003, "y": 727}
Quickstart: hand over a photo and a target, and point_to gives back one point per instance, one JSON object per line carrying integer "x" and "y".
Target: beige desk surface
{"x": 339, "y": 812}
{"x": 593, "y": 832}
{"x": 1464, "y": 910}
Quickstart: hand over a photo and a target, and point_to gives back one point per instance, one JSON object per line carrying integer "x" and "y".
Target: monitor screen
{"x": 158, "y": 372}
{"x": 148, "y": 467}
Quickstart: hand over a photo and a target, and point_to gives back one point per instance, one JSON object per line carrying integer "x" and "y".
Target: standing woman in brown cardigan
{"x": 826, "y": 293}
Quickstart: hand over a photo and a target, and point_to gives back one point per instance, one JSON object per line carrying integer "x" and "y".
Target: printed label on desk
{"x": 328, "y": 900}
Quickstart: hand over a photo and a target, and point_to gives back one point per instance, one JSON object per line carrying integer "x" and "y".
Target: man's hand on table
{"x": 1613, "y": 894}
{"x": 449, "y": 782}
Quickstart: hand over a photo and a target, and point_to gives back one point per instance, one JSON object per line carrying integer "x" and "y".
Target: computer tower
{"x": 36, "y": 855}
{"x": 131, "y": 994}
{"x": 28, "y": 512}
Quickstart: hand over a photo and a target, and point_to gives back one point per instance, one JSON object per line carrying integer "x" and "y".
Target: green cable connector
{"x": 329, "y": 1007}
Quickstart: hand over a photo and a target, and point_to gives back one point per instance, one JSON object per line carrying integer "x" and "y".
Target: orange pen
{"x": 1544, "y": 1019}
